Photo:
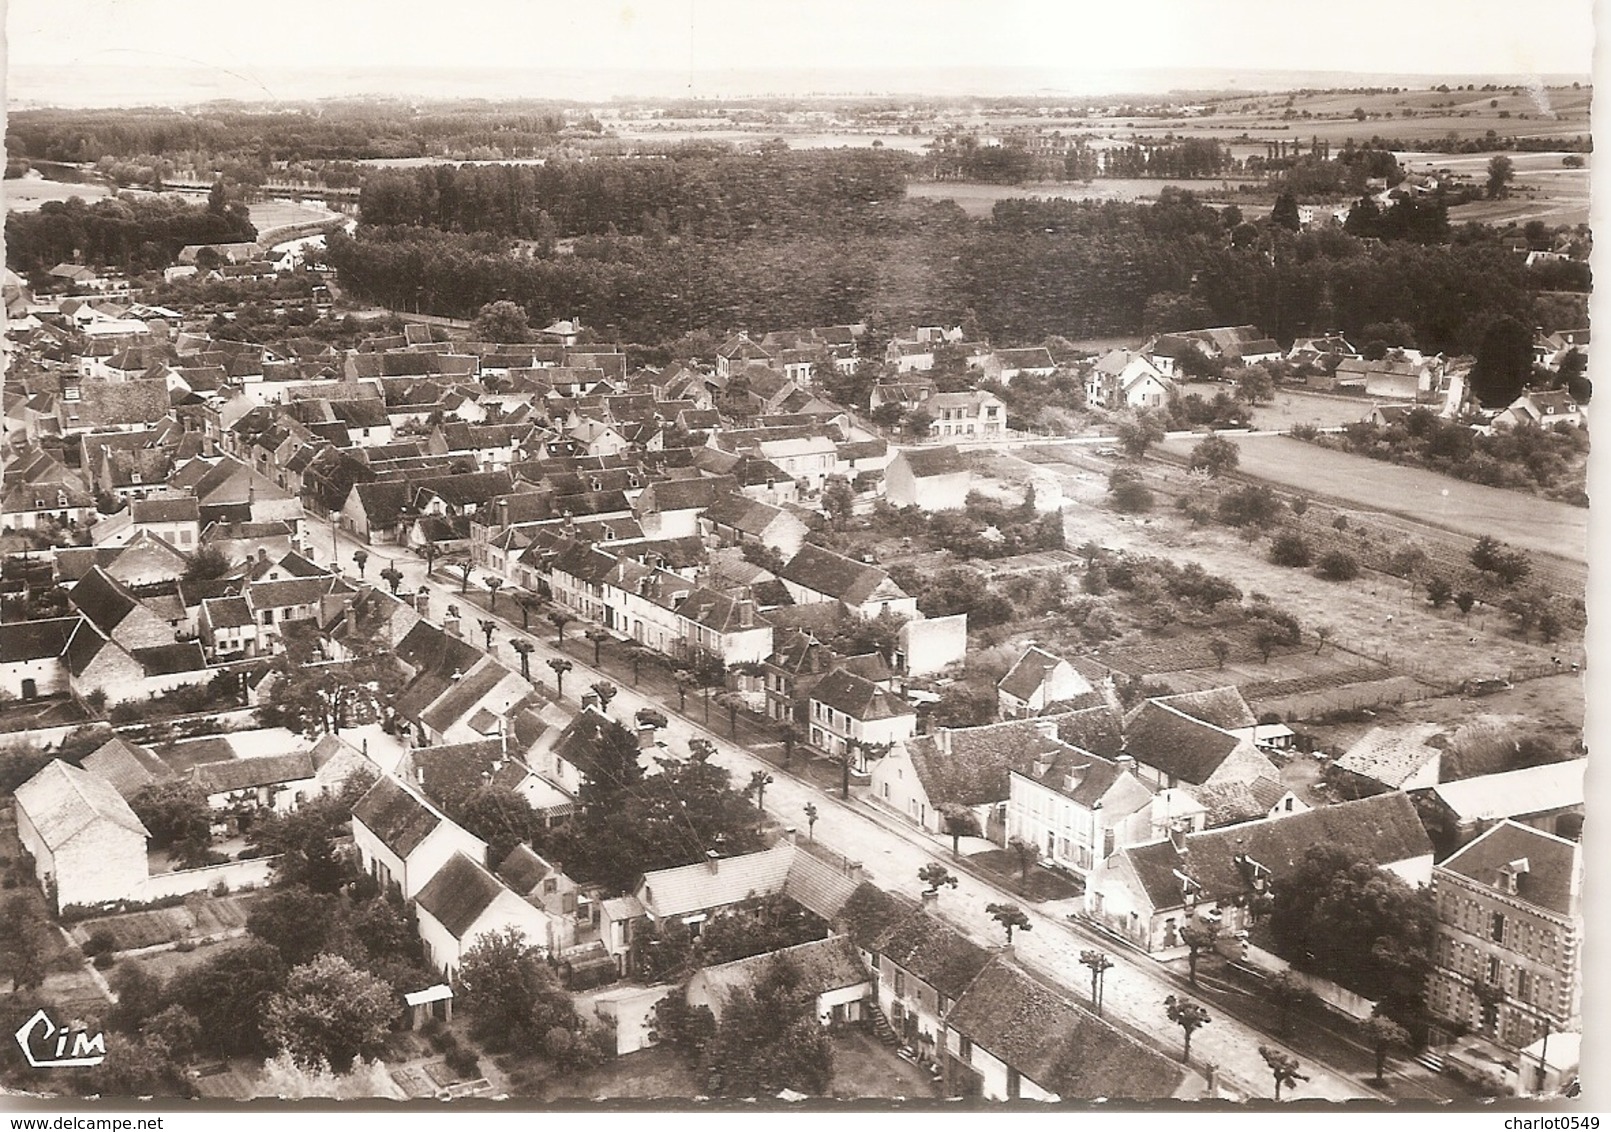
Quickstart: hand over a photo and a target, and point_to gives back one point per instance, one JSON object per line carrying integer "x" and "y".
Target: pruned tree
{"x": 1198, "y": 936}
{"x": 959, "y": 821}
{"x": 560, "y": 666}
{"x": 488, "y": 627}
{"x": 493, "y": 584}
{"x": 1011, "y": 918}
{"x": 935, "y": 876}
{"x": 1384, "y": 1035}
{"x": 1290, "y": 994}
{"x": 361, "y": 558}
{"x": 393, "y": 577}
{"x": 465, "y": 569}
{"x": 560, "y": 619}
{"x": 1027, "y": 854}
{"x": 1283, "y": 1068}
{"x": 523, "y": 648}
{"x": 759, "y": 781}
{"x": 811, "y": 816}
{"x": 1099, "y": 963}
{"x": 605, "y": 691}
{"x": 1189, "y": 1016}
{"x": 598, "y": 636}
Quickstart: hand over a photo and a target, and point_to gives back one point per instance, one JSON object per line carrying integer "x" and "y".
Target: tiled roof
{"x": 397, "y": 816}
{"x": 165, "y": 509}
{"x": 227, "y": 612}
{"x": 1384, "y": 828}
{"x": 102, "y": 599}
{"x": 459, "y": 893}
{"x": 1094, "y": 729}
{"x": 1547, "y": 866}
{"x": 128, "y": 766}
{"x": 248, "y": 774}
{"x": 869, "y": 912}
{"x": 61, "y": 801}
{"x": 466, "y": 693}
{"x": 35, "y": 640}
{"x": 817, "y": 885}
{"x": 715, "y": 884}
{"x": 1223, "y": 707}
{"x": 822, "y": 571}
{"x": 969, "y": 765}
{"x": 858, "y": 697}
{"x": 1392, "y": 755}
{"x": 523, "y": 870}
{"x": 1058, "y": 1045}
{"x": 1177, "y": 745}
{"x": 933, "y": 951}
{"x": 1024, "y": 678}
{"x": 821, "y": 965}
{"x": 166, "y": 660}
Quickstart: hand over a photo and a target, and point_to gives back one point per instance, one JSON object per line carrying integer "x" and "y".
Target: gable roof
{"x": 397, "y": 816}
{"x": 715, "y": 884}
{"x": 970, "y": 766}
{"x": 1177, "y": 745}
{"x": 128, "y": 766}
{"x": 869, "y": 912}
{"x": 1515, "y": 793}
{"x": 248, "y": 774}
{"x": 1060, "y": 1046}
{"x": 35, "y": 640}
{"x": 932, "y": 951}
{"x": 1032, "y": 670}
{"x": 102, "y": 599}
{"x": 1548, "y": 867}
{"x": 1220, "y": 707}
{"x": 822, "y": 571}
{"x": 459, "y": 893}
{"x": 62, "y": 801}
{"x": 523, "y": 870}
{"x": 926, "y": 462}
{"x": 823, "y": 965}
{"x": 858, "y": 697}
{"x": 1392, "y": 755}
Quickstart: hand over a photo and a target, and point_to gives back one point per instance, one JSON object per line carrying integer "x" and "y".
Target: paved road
{"x": 891, "y": 854}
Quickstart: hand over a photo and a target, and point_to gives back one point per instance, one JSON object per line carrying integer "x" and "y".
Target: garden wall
{"x": 235, "y": 874}
{"x": 1339, "y": 998}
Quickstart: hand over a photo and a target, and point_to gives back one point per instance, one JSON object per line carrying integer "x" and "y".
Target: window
{"x": 268, "y": 617}
{"x": 965, "y": 1049}
{"x": 1493, "y": 970}
{"x": 900, "y": 984}
{"x": 1496, "y": 927}
{"x": 1521, "y": 985}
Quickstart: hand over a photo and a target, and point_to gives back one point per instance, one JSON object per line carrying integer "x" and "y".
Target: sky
{"x": 251, "y": 40}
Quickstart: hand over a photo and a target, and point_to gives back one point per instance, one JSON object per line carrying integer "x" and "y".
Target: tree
{"x": 1216, "y": 456}
{"x": 24, "y": 941}
{"x": 958, "y": 821}
{"x": 361, "y": 558}
{"x": 1464, "y": 601}
{"x": 464, "y": 569}
{"x": 1322, "y": 635}
{"x": 206, "y": 564}
{"x": 1221, "y": 648}
{"x": 229, "y": 994}
{"x": 1384, "y": 1035}
{"x": 1130, "y": 494}
{"x": 789, "y": 735}
{"x": 1011, "y": 918}
{"x": 759, "y": 781}
{"x": 1290, "y": 994}
{"x": 488, "y": 627}
{"x": 769, "y": 1039}
{"x": 687, "y": 1029}
{"x": 1027, "y": 854}
{"x": 935, "y": 875}
{"x": 560, "y": 666}
{"x": 1265, "y": 638}
{"x": 605, "y": 691}
{"x": 598, "y": 636}
{"x": 1338, "y": 566}
{"x": 331, "y": 1012}
{"x": 296, "y": 921}
{"x": 838, "y": 499}
{"x": 559, "y": 618}
{"x": 1504, "y": 362}
{"x": 174, "y": 812}
{"x": 523, "y": 648}
{"x": 1099, "y": 964}
{"x": 493, "y": 585}
{"x": 811, "y": 816}
{"x": 307, "y": 839}
{"x": 1285, "y": 212}
{"x": 509, "y": 994}
{"x": 1136, "y": 432}
{"x": 1189, "y": 1016}
{"x": 393, "y": 577}
{"x": 501, "y": 322}
{"x": 1501, "y": 170}
{"x": 1283, "y": 1068}
{"x": 1198, "y": 936}
{"x": 1290, "y": 549}
{"x": 1438, "y": 591}
{"x": 1254, "y": 384}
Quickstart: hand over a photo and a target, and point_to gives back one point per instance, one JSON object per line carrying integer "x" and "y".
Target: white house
{"x": 86, "y": 844}
{"x": 464, "y": 902}
{"x": 1036, "y": 681}
{"x": 403, "y": 840}
{"x": 831, "y": 975}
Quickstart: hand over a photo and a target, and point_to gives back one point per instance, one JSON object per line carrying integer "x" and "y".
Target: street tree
{"x": 1189, "y": 1016}
{"x": 789, "y": 735}
{"x": 759, "y": 781}
{"x": 393, "y": 577}
{"x": 1011, "y": 918}
{"x": 1283, "y": 1068}
{"x": 1027, "y": 854}
{"x": 1384, "y": 1035}
{"x": 523, "y": 648}
{"x": 559, "y": 618}
{"x": 1099, "y": 963}
{"x": 493, "y": 584}
{"x": 361, "y": 558}
{"x": 560, "y": 666}
{"x": 330, "y": 1011}
{"x": 1289, "y": 994}
{"x": 935, "y": 876}
{"x": 1216, "y": 456}
{"x": 1198, "y": 936}
{"x": 488, "y": 627}
{"x": 464, "y": 569}
{"x": 605, "y": 691}
{"x": 598, "y": 636}
{"x": 958, "y": 821}
{"x": 811, "y": 816}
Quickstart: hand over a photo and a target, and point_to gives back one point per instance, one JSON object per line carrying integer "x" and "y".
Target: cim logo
{"x": 65, "y": 1047}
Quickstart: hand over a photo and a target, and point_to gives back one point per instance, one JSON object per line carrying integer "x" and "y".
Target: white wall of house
{"x": 104, "y": 861}
{"x": 444, "y": 951}
{"x": 422, "y": 864}
{"x": 48, "y": 675}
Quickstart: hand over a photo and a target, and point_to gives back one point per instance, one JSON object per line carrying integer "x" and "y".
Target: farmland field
{"x": 1467, "y": 508}
{"x": 978, "y": 199}
{"x": 26, "y": 194}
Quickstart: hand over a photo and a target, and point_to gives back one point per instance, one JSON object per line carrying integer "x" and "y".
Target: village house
{"x": 1172, "y": 748}
{"x": 736, "y": 520}
{"x": 1005, "y": 365}
{"x": 1121, "y": 379}
{"x": 175, "y": 519}
{"x": 1011, "y": 1037}
{"x": 819, "y": 575}
{"x": 1149, "y": 893}
{"x": 464, "y": 902}
{"x": 974, "y": 413}
{"x": 564, "y": 903}
{"x": 850, "y": 713}
{"x": 31, "y": 663}
{"x": 87, "y": 846}
{"x": 1508, "y": 955}
{"x": 1038, "y": 680}
{"x": 831, "y": 977}
{"x": 1548, "y": 797}
{"x": 1541, "y": 408}
{"x": 1407, "y": 757}
{"x": 403, "y": 841}
{"x": 931, "y": 479}
{"x": 1078, "y": 808}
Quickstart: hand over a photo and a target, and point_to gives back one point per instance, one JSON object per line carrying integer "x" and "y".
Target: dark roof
{"x": 35, "y": 640}
{"x": 248, "y": 774}
{"x": 583, "y": 741}
{"x": 523, "y": 870}
{"x": 858, "y": 697}
{"x": 1384, "y": 828}
{"x": 227, "y": 612}
{"x": 1177, "y": 745}
{"x": 822, "y": 965}
{"x": 398, "y": 817}
{"x": 1222, "y": 707}
{"x": 1024, "y": 678}
{"x": 1550, "y": 879}
{"x": 825, "y": 572}
{"x": 459, "y": 893}
{"x": 102, "y": 599}
{"x": 1062, "y": 1047}
{"x": 165, "y": 509}
{"x": 466, "y": 692}
{"x": 1094, "y": 729}
{"x": 870, "y": 912}
{"x": 165, "y": 660}
{"x": 969, "y": 765}
{"x": 934, "y": 952}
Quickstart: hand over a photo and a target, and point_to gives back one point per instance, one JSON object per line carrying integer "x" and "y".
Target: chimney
{"x": 262, "y": 555}
{"x": 1047, "y": 727}
{"x": 746, "y": 614}
{"x": 790, "y": 834}
{"x": 1177, "y": 834}
{"x": 422, "y": 601}
{"x": 931, "y": 898}
{"x": 712, "y": 861}
{"x": 503, "y": 512}
{"x": 1126, "y": 762}
{"x": 943, "y": 738}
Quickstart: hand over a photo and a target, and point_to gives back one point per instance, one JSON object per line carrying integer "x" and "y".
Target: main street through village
{"x": 889, "y": 852}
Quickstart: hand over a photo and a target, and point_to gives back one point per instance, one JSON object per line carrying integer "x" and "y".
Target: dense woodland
{"x": 131, "y": 233}
{"x": 647, "y": 251}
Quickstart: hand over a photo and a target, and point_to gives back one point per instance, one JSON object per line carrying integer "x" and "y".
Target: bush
{"x": 464, "y": 1063}
{"x": 1338, "y": 566}
{"x": 100, "y": 942}
{"x": 104, "y": 960}
{"x": 1291, "y": 549}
